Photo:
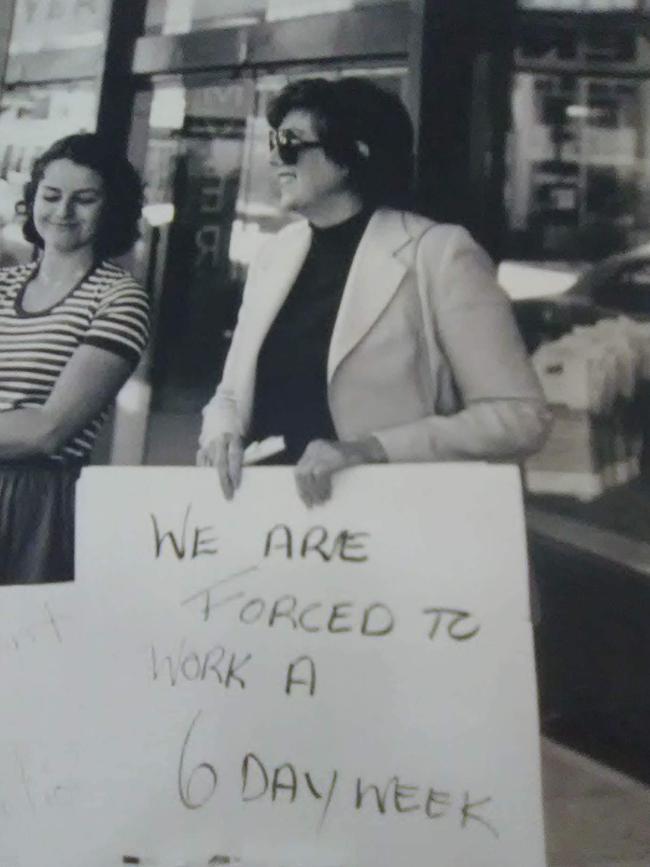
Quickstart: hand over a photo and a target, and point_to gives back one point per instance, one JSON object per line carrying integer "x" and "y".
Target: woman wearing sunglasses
{"x": 367, "y": 333}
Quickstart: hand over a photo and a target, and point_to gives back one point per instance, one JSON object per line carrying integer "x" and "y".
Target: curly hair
{"x": 362, "y": 127}
{"x": 118, "y": 225}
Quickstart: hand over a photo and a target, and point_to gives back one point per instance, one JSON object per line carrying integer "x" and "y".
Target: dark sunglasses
{"x": 288, "y": 145}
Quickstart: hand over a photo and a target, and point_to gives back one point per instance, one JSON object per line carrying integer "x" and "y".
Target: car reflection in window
{"x": 616, "y": 286}
{"x": 628, "y": 291}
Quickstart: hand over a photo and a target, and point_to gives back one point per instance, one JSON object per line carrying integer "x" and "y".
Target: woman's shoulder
{"x": 108, "y": 278}
{"x": 111, "y": 288}
{"x": 412, "y": 234}
{"x": 109, "y": 272}
{"x": 419, "y": 227}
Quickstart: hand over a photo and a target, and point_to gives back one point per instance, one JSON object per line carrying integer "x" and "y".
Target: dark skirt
{"x": 37, "y": 522}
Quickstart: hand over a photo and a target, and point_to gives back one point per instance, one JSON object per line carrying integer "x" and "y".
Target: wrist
{"x": 371, "y": 451}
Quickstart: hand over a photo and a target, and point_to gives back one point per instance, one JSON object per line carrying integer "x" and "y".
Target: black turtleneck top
{"x": 291, "y": 382}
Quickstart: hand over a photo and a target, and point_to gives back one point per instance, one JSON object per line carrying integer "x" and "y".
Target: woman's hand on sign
{"x": 225, "y": 452}
{"x": 322, "y": 458}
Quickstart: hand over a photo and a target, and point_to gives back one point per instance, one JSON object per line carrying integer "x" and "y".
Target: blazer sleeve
{"x": 503, "y": 413}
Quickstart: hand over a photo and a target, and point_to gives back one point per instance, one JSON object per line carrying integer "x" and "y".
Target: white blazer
{"x": 472, "y": 395}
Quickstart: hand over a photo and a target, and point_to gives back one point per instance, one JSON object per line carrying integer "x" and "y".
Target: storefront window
{"x": 192, "y": 176}
{"x": 578, "y": 174}
{"x": 581, "y": 5}
{"x": 42, "y": 24}
{"x": 182, "y": 16}
{"x": 31, "y": 118}
{"x": 597, "y": 45}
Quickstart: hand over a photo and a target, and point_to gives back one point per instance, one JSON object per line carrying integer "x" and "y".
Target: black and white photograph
{"x": 325, "y": 433}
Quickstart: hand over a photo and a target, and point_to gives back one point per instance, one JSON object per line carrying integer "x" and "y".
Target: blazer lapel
{"x": 374, "y": 277}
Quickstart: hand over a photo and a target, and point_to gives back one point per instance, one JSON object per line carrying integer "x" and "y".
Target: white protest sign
{"x": 344, "y": 686}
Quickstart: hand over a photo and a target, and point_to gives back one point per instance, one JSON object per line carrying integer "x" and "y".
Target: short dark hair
{"x": 118, "y": 226}
{"x": 352, "y": 111}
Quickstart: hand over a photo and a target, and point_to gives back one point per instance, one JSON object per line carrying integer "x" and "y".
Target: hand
{"x": 226, "y": 453}
{"x": 322, "y": 458}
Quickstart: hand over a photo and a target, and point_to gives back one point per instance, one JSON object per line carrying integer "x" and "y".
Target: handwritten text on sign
{"x": 349, "y": 685}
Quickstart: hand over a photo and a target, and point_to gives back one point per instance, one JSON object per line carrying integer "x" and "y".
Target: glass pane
{"x": 553, "y": 43}
{"x": 548, "y": 44}
{"x": 181, "y": 16}
{"x": 628, "y": 291}
{"x": 577, "y": 174}
{"x": 279, "y": 9}
{"x": 581, "y": 5}
{"x": 192, "y": 173}
{"x": 60, "y": 24}
{"x": 609, "y": 46}
{"x": 31, "y": 118}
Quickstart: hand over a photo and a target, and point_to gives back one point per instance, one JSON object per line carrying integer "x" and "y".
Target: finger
{"x": 223, "y": 468}
{"x": 301, "y": 475}
{"x": 235, "y": 460}
{"x": 304, "y": 481}
{"x": 205, "y": 456}
{"x": 317, "y": 483}
{"x": 322, "y": 486}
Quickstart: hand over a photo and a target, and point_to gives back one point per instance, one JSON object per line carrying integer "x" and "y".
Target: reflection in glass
{"x": 182, "y": 16}
{"x": 192, "y": 173}
{"x": 577, "y": 175}
{"x": 31, "y": 118}
{"x": 64, "y": 24}
{"x": 580, "y": 5}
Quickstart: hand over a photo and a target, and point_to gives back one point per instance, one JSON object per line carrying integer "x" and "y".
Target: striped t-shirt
{"x": 107, "y": 309}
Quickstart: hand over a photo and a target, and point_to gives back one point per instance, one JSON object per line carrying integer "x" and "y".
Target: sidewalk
{"x": 595, "y": 817}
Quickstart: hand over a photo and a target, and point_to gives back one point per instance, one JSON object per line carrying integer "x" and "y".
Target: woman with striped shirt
{"x": 73, "y": 326}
